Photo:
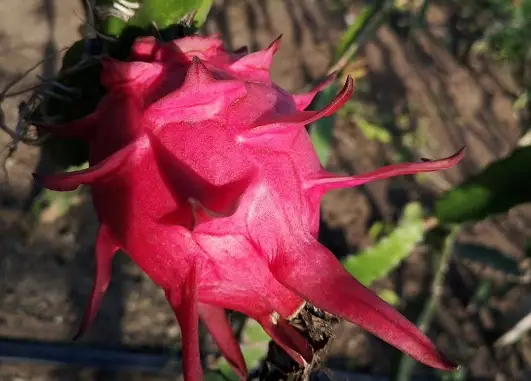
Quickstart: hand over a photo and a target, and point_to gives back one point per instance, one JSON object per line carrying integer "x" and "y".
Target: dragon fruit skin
{"x": 202, "y": 171}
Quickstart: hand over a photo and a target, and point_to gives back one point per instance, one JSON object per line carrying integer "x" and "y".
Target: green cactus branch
{"x": 407, "y": 364}
{"x": 115, "y": 15}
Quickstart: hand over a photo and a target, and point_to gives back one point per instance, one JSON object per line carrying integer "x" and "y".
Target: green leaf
{"x": 202, "y": 12}
{"x": 252, "y": 356}
{"x": 489, "y": 257}
{"x": 419, "y": 19}
{"x": 372, "y": 131}
{"x": 376, "y": 230}
{"x": 322, "y": 131}
{"x": 254, "y": 348}
{"x": 254, "y": 333}
{"x": 379, "y": 260}
{"x": 354, "y": 30}
{"x": 112, "y": 25}
{"x": 457, "y": 375}
{"x": 482, "y": 294}
{"x": 367, "y": 22}
{"x": 389, "y": 296}
{"x": 501, "y": 186}
{"x": 169, "y": 12}
{"x": 215, "y": 376}
{"x": 522, "y": 101}
{"x": 50, "y": 205}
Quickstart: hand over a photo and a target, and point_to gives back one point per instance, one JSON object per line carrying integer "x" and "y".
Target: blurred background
{"x": 449, "y": 249}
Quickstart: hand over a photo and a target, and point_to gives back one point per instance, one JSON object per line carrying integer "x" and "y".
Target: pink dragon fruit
{"x": 202, "y": 171}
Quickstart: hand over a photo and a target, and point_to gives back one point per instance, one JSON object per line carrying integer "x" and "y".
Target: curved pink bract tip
{"x": 219, "y": 327}
{"x": 328, "y": 181}
{"x": 302, "y": 101}
{"x": 105, "y": 250}
{"x": 327, "y": 285}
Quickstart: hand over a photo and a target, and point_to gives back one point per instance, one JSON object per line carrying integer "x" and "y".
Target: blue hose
{"x": 143, "y": 359}
{"x": 158, "y": 360}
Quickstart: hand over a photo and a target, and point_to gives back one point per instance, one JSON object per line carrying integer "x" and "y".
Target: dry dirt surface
{"x": 46, "y": 266}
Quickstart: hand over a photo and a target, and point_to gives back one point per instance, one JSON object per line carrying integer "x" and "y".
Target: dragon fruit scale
{"x": 201, "y": 170}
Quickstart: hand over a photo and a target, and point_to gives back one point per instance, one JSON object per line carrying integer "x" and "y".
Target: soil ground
{"x": 46, "y": 266}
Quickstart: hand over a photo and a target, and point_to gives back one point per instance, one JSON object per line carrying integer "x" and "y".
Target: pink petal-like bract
{"x": 201, "y": 170}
